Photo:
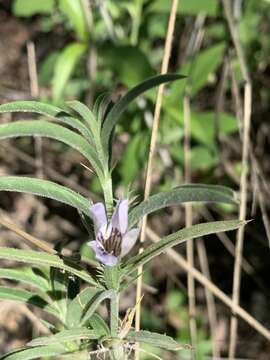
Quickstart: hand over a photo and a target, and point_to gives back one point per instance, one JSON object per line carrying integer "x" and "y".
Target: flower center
{"x": 113, "y": 243}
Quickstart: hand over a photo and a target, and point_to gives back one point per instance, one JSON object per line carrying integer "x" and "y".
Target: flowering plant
{"x": 70, "y": 292}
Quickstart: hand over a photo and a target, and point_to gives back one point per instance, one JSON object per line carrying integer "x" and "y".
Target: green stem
{"x": 117, "y": 348}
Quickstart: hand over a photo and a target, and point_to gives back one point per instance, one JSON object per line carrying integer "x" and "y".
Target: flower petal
{"x": 129, "y": 240}
{"x": 120, "y": 216}
{"x": 98, "y": 214}
{"x": 102, "y": 255}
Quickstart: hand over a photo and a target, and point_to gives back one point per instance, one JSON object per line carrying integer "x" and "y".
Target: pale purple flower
{"x": 113, "y": 239}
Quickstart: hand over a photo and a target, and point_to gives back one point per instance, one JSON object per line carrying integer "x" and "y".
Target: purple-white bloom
{"x": 113, "y": 239}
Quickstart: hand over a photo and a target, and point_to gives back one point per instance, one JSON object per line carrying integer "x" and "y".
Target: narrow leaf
{"x": 94, "y": 303}
{"x": 155, "y": 339}
{"x": 64, "y": 68}
{"x": 34, "y": 353}
{"x": 26, "y": 297}
{"x": 77, "y": 306}
{"x": 99, "y": 325}
{"x": 45, "y": 188}
{"x": 25, "y": 275}
{"x": 179, "y": 195}
{"x": 53, "y": 131}
{"x": 64, "y": 336}
{"x": 53, "y": 112}
{"x": 43, "y": 259}
{"x": 180, "y": 237}
{"x": 119, "y": 107}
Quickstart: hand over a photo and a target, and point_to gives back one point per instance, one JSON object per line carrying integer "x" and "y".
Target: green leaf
{"x": 26, "y": 297}
{"x": 45, "y": 188}
{"x": 177, "y": 238}
{"x": 34, "y": 353}
{"x": 123, "y": 60}
{"x": 32, "y": 7}
{"x": 181, "y": 194}
{"x": 65, "y": 336}
{"x": 25, "y": 275}
{"x": 121, "y": 105}
{"x": 155, "y": 339}
{"x": 94, "y": 303}
{"x": 99, "y": 325}
{"x": 77, "y": 306}
{"x": 190, "y": 7}
{"x": 53, "y": 131}
{"x": 42, "y": 259}
{"x": 75, "y": 13}
{"x": 205, "y": 64}
{"x": 64, "y": 67}
{"x": 54, "y": 112}
{"x": 86, "y": 114}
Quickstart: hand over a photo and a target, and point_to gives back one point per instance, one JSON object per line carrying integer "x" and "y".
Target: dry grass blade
{"x": 164, "y": 69}
{"x": 238, "y": 310}
{"x": 29, "y": 238}
{"x": 210, "y": 301}
{"x": 244, "y": 170}
{"x": 188, "y": 222}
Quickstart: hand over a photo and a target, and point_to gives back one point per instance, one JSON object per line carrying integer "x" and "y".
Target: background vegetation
{"x": 82, "y": 49}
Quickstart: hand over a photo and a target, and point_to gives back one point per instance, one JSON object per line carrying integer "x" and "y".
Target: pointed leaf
{"x": 94, "y": 303}
{"x": 77, "y": 306}
{"x": 99, "y": 325}
{"x": 44, "y": 259}
{"x": 181, "y": 194}
{"x": 25, "y": 275}
{"x": 65, "y": 336}
{"x": 118, "y": 108}
{"x": 53, "y": 131}
{"x": 53, "y": 112}
{"x": 45, "y": 188}
{"x": 64, "y": 68}
{"x": 180, "y": 237}
{"x": 26, "y": 297}
{"x": 34, "y": 353}
{"x": 155, "y": 339}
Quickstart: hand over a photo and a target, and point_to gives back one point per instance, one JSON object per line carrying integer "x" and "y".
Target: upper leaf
{"x": 53, "y": 112}
{"x": 53, "y": 131}
{"x": 181, "y": 194}
{"x": 121, "y": 105}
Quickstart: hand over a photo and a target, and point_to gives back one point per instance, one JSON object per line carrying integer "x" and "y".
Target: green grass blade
{"x": 179, "y": 195}
{"x": 26, "y": 297}
{"x": 119, "y": 107}
{"x": 180, "y": 237}
{"x": 43, "y": 259}
{"x": 53, "y": 131}
{"x": 45, "y": 188}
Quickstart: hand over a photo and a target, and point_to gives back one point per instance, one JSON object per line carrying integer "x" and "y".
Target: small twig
{"x": 33, "y": 240}
{"x": 188, "y": 222}
{"x": 210, "y": 301}
{"x": 227, "y": 5}
{"x": 164, "y": 69}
